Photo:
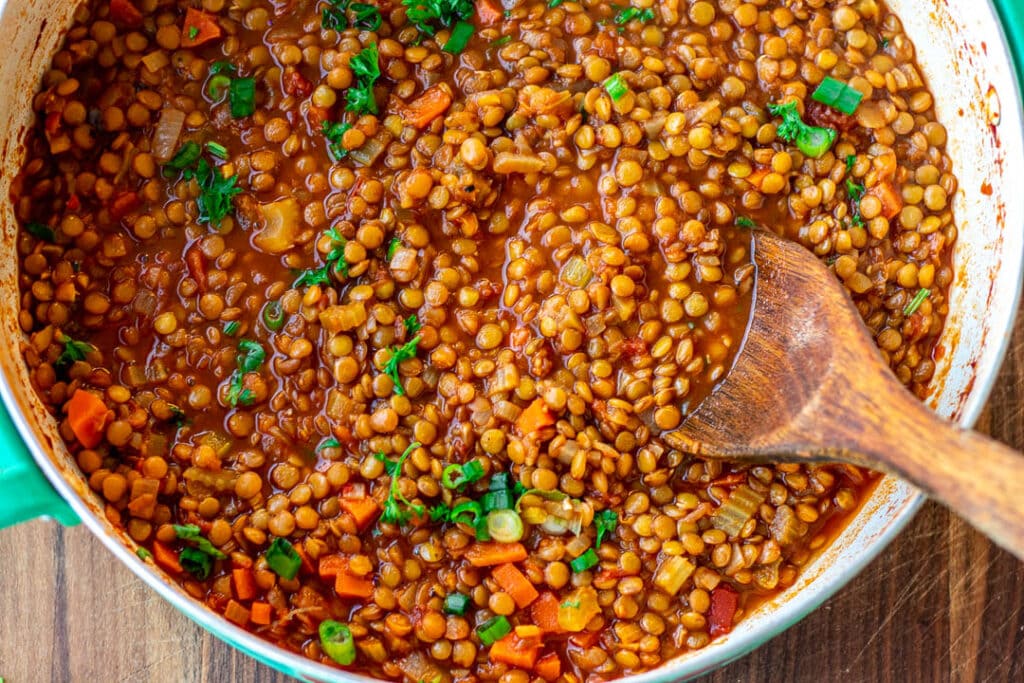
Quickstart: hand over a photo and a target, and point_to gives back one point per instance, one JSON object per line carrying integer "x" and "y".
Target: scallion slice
{"x": 501, "y": 499}
{"x": 218, "y": 150}
{"x": 217, "y": 86}
{"x": 616, "y": 87}
{"x": 584, "y": 561}
{"x": 231, "y": 328}
{"x": 282, "y": 559}
{"x": 273, "y": 316}
{"x": 493, "y": 630}
{"x": 916, "y": 302}
{"x": 242, "y": 97}
{"x": 838, "y": 95}
{"x": 186, "y": 155}
{"x": 456, "y": 603}
{"x": 505, "y": 526}
{"x": 337, "y": 642}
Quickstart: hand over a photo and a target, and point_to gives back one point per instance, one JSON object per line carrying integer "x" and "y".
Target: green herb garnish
{"x": 196, "y": 562}
{"x": 585, "y": 561}
{"x": 186, "y": 155}
{"x": 193, "y": 31}
{"x": 335, "y": 263}
{"x": 605, "y": 521}
{"x": 813, "y": 141}
{"x": 838, "y": 95}
{"x": 231, "y": 328}
{"x": 328, "y": 443}
{"x": 916, "y": 302}
{"x": 884, "y": 42}
{"x": 337, "y": 642}
{"x": 333, "y": 17}
{"x": 504, "y": 40}
{"x": 334, "y": 132}
{"x": 628, "y": 14}
{"x": 215, "y": 192}
{"x": 218, "y": 150}
{"x": 493, "y": 630}
{"x": 744, "y": 222}
{"x": 249, "y": 359}
{"x": 459, "y": 38}
{"x": 398, "y": 355}
{"x": 851, "y": 161}
{"x": 412, "y": 325}
{"x": 282, "y": 559}
{"x": 554, "y": 3}
{"x": 41, "y": 231}
{"x": 73, "y": 351}
{"x": 198, "y": 557}
{"x": 429, "y": 16}
{"x": 368, "y": 17}
{"x": 221, "y": 67}
{"x": 142, "y": 554}
{"x": 242, "y": 97}
{"x": 273, "y": 316}
{"x": 615, "y": 86}
{"x": 398, "y": 509}
{"x": 393, "y": 246}
{"x": 365, "y": 67}
{"x": 456, "y": 603}
{"x": 193, "y": 534}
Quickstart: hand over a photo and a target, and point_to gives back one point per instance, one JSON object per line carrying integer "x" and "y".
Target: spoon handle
{"x": 977, "y": 477}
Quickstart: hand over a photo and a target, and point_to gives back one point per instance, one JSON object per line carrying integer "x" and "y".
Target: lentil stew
{"x": 364, "y": 319}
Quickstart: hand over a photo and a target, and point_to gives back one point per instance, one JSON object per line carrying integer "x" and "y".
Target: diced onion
{"x": 168, "y": 130}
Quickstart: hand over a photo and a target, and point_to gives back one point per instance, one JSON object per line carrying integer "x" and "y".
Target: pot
{"x": 965, "y": 48}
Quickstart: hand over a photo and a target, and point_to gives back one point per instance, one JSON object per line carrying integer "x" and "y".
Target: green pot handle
{"x": 24, "y": 492}
{"x": 1012, "y": 14}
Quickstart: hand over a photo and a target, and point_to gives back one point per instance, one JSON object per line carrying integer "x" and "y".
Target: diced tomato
{"x": 125, "y": 12}
{"x": 296, "y": 84}
{"x": 724, "y": 601}
{"x": 124, "y": 204}
{"x": 74, "y": 203}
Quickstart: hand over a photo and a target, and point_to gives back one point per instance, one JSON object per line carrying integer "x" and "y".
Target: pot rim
{"x": 714, "y": 656}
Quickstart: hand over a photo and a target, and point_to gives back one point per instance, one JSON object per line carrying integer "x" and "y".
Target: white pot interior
{"x": 964, "y": 57}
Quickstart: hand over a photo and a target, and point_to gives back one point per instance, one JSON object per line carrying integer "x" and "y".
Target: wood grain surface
{"x": 940, "y": 604}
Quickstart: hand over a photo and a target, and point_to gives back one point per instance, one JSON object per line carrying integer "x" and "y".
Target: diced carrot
{"x": 730, "y": 479}
{"x": 87, "y": 416}
{"x": 544, "y": 612}
{"x": 515, "y": 651}
{"x": 245, "y": 583}
{"x": 199, "y": 28}
{"x": 125, "y": 12}
{"x": 534, "y": 418}
{"x": 548, "y": 667}
{"x": 757, "y": 176}
{"x": 124, "y": 204}
{"x": 348, "y": 586}
{"x": 515, "y": 583}
{"x": 724, "y": 601}
{"x": 166, "y": 558}
{"x": 427, "y": 107}
{"x": 488, "y": 13}
{"x": 363, "y": 510}
{"x": 585, "y": 639}
{"x": 261, "y": 613}
{"x": 307, "y": 564}
{"x": 332, "y": 565}
{"x": 196, "y": 266}
{"x": 490, "y": 554}
{"x": 892, "y": 202}
{"x": 237, "y": 613}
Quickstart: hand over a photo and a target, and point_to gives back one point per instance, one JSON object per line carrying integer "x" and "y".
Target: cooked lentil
{"x": 492, "y": 256}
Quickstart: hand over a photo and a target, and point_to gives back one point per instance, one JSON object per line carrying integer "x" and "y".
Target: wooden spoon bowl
{"x": 810, "y": 385}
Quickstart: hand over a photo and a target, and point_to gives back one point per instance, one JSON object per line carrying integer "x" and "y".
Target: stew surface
{"x": 364, "y": 320}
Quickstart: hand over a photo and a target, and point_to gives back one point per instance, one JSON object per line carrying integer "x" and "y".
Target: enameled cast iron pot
{"x": 966, "y": 49}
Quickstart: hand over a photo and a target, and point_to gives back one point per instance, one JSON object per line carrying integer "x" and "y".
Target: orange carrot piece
{"x": 199, "y": 28}
{"x": 237, "y": 613}
{"x": 544, "y": 612}
{"x": 490, "y": 554}
{"x": 515, "y": 583}
{"x": 307, "y": 564}
{"x": 534, "y": 418}
{"x": 348, "y": 586}
{"x": 261, "y": 613}
{"x": 892, "y": 202}
{"x": 549, "y": 667}
{"x": 515, "y": 651}
{"x": 87, "y": 415}
{"x": 757, "y": 177}
{"x": 427, "y": 107}
{"x": 166, "y": 558}
{"x": 125, "y": 12}
{"x": 245, "y": 583}
{"x": 488, "y": 13}
{"x": 332, "y": 565}
{"x": 363, "y": 510}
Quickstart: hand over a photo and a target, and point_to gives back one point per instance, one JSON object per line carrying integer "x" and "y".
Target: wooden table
{"x": 940, "y": 604}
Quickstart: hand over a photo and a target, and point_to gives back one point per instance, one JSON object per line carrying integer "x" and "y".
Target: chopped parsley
{"x": 193, "y": 31}
{"x": 412, "y": 324}
{"x": 368, "y": 17}
{"x": 333, "y": 17}
{"x": 41, "y": 231}
{"x": 855, "y": 192}
{"x": 73, "y": 351}
{"x": 242, "y": 97}
{"x": 143, "y": 554}
{"x": 215, "y": 193}
{"x": 335, "y": 263}
{"x": 197, "y": 558}
{"x": 249, "y": 359}
{"x": 365, "y": 67}
{"x": 398, "y": 509}
{"x": 398, "y": 355}
{"x": 221, "y": 67}
{"x": 628, "y": 14}
{"x": 744, "y": 222}
{"x": 813, "y": 141}
{"x": 328, "y": 443}
{"x": 231, "y": 328}
{"x": 429, "y": 16}
{"x": 851, "y": 161}
{"x": 606, "y": 521}
{"x": 334, "y": 132}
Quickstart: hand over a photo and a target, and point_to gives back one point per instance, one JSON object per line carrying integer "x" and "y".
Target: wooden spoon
{"x": 809, "y": 385}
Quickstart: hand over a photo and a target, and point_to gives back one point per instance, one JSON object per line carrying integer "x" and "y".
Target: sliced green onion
{"x": 480, "y": 529}
{"x": 469, "y": 513}
{"x": 186, "y": 155}
{"x": 41, "y": 231}
{"x": 505, "y": 526}
{"x": 554, "y": 3}
{"x": 218, "y": 85}
{"x": 744, "y": 222}
{"x": 393, "y": 246}
{"x": 500, "y": 481}
{"x": 273, "y": 316}
{"x": 242, "y": 97}
{"x": 143, "y": 554}
{"x": 501, "y": 499}
{"x": 336, "y": 641}
{"x": 282, "y": 559}
{"x": 456, "y": 603}
{"x": 218, "y": 150}
{"x": 616, "y": 87}
{"x": 493, "y": 630}
{"x": 459, "y": 38}
{"x": 584, "y": 561}
{"x": 231, "y": 328}
{"x": 456, "y": 475}
{"x": 222, "y": 66}
{"x": 196, "y": 562}
{"x": 838, "y": 95}
{"x": 916, "y": 302}
{"x": 504, "y": 40}
{"x": 814, "y": 141}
